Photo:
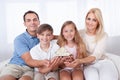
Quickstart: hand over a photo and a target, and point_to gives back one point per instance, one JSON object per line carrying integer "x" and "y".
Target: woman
{"x": 97, "y": 65}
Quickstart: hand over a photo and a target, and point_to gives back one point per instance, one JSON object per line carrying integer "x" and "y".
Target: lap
{"x": 53, "y": 74}
{"x": 17, "y": 71}
{"x": 101, "y": 69}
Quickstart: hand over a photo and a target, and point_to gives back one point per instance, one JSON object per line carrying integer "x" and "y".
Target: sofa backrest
{"x": 113, "y": 45}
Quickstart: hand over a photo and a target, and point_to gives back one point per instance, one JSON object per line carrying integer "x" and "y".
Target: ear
{"x": 24, "y": 24}
{"x": 52, "y": 36}
{"x": 37, "y": 35}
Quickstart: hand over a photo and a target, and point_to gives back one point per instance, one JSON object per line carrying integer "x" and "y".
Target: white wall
{"x": 54, "y": 12}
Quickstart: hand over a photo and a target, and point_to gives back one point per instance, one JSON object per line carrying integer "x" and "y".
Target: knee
{"x": 65, "y": 75}
{"x": 7, "y": 77}
{"x": 25, "y": 78}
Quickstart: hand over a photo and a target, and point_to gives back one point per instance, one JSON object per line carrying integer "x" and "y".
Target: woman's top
{"x": 96, "y": 49}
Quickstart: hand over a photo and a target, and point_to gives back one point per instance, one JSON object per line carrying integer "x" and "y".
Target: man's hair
{"x": 28, "y": 12}
{"x": 44, "y": 27}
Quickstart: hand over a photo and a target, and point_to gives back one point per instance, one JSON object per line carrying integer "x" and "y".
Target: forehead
{"x": 92, "y": 15}
{"x": 30, "y": 15}
{"x": 69, "y": 26}
{"x": 46, "y": 32}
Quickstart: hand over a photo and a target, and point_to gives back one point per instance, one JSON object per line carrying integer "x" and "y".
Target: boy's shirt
{"x": 37, "y": 53}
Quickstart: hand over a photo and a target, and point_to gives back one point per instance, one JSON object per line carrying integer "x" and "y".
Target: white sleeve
{"x": 99, "y": 50}
{"x": 34, "y": 52}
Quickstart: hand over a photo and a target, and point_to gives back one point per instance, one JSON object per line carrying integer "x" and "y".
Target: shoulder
{"x": 20, "y": 37}
{"x": 82, "y": 32}
{"x": 54, "y": 43}
{"x": 35, "y": 48}
{"x": 105, "y": 35}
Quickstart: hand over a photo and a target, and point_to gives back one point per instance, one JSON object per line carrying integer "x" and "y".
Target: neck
{"x": 32, "y": 33}
{"x": 44, "y": 47}
{"x": 70, "y": 44}
{"x": 91, "y": 32}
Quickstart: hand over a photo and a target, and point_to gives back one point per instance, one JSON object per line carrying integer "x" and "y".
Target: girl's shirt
{"x": 71, "y": 50}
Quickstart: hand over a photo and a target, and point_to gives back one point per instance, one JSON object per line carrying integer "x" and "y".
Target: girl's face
{"x": 91, "y": 22}
{"x": 69, "y": 32}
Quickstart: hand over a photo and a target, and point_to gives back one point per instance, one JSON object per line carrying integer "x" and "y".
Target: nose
{"x": 90, "y": 22}
{"x": 45, "y": 36}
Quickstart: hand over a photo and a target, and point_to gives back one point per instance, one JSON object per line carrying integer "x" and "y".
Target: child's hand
{"x": 72, "y": 64}
{"x": 55, "y": 62}
{"x": 68, "y": 58}
{"x": 45, "y": 62}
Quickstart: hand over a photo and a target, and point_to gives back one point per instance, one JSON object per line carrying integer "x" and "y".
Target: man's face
{"x": 31, "y": 22}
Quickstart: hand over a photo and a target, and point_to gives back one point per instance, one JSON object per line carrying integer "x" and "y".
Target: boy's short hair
{"x": 44, "y": 27}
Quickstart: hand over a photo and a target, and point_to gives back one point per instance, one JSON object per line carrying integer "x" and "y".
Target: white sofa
{"x": 113, "y": 51}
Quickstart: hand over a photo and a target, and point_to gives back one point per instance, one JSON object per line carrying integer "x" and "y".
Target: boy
{"x": 45, "y": 51}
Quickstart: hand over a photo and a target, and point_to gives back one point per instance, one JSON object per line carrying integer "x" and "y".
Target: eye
{"x": 42, "y": 34}
{"x": 28, "y": 20}
{"x": 48, "y": 34}
{"x": 35, "y": 19}
{"x": 94, "y": 20}
{"x": 88, "y": 18}
{"x": 71, "y": 30}
{"x": 65, "y": 31}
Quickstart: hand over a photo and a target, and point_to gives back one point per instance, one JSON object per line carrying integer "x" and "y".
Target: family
{"x": 82, "y": 52}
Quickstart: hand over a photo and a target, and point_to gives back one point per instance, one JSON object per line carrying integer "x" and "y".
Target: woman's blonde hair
{"x": 81, "y": 48}
{"x": 100, "y": 27}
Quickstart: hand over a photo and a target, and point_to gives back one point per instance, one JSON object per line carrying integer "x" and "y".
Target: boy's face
{"x": 45, "y": 37}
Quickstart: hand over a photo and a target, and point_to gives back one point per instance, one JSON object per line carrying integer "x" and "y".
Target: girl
{"x": 69, "y": 39}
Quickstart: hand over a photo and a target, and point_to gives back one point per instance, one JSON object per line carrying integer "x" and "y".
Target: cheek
{"x": 87, "y": 22}
{"x": 95, "y": 25}
{"x": 63, "y": 34}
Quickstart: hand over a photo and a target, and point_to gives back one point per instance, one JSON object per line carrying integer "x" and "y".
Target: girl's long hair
{"x": 81, "y": 48}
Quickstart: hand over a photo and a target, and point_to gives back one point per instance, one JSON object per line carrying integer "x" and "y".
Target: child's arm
{"x": 54, "y": 64}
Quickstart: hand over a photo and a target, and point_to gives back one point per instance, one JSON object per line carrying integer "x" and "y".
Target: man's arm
{"x": 32, "y": 62}
{"x": 55, "y": 37}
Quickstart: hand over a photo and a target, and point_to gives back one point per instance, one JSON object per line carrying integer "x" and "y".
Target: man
{"x": 18, "y": 66}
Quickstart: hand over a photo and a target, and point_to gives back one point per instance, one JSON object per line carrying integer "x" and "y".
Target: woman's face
{"x": 91, "y": 22}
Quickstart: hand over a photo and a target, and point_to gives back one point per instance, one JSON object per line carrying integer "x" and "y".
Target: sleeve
{"x": 55, "y": 47}
{"x": 20, "y": 46}
{"x": 34, "y": 52}
{"x": 99, "y": 50}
